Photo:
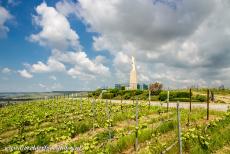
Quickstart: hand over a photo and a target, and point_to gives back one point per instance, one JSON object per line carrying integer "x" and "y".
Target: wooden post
{"x": 137, "y": 128}
{"x": 207, "y": 104}
{"x": 179, "y": 129}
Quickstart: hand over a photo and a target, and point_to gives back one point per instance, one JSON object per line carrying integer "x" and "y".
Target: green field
{"x": 104, "y": 127}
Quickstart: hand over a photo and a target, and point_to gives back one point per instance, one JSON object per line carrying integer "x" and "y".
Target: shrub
{"x": 138, "y": 92}
{"x": 154, "y": 98}
{"x": 127, "y": 95}
{"x": 182, "y": 94}
{"x": 107, "y": 95}
{"x": 201, "y": 98}
{"x": 173, "y": 95}
{"x": 97, "y": 92}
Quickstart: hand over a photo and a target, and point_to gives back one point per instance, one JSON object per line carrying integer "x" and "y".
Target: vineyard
{"x": 99, "y": 126}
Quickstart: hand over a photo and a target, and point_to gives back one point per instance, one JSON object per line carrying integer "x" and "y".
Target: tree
{"x": 155, "y": 88}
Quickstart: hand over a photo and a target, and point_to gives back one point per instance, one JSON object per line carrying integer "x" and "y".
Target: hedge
{"x": 173, "y": 95}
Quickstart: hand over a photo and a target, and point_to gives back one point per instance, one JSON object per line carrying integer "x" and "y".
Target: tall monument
{"x": 133, "y": 76}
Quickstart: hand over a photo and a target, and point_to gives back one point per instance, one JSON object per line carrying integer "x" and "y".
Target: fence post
{"x": 81, "y": 104}
{"x": 190, "y": 100}
{"x": 149, "y": 98}
{"x": 137, "y": 128}
{"x": 133, "y": 97}
{"x": 168, "y": 101}
{"x": 121, "y": 103}
{"x": 108, "y": 117}
{"x": 207, "y": 104}
{"x": 179, "y": 129}
{"x": 93, "y": 105}
{"x": 190, "y": 106}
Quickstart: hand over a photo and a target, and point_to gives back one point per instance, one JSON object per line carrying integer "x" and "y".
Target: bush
{"x": 97, "y": 92}
{"x": 154, "y": 98}
{"x": 107, "y": 95}
{"x": 182, "y": 94}
{"x": 201, "y": 98}
{"x": 173, "y": 95}
{"x": 127, "y": 96}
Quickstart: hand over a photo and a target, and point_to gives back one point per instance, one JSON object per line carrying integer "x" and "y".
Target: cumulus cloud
{"x": 52, "y": 66}
{"x": 82, "y": 64}
{"x": 67, "y": 55}
{"x": 4, "y": 17}
{"x": 52, "y": 77}
{"x": 178, "y": 43}
{"x": 6, "y": 70}
{"x": 25, "y": 74}
{"x": 66, "y": 7}
{"x": 56, "y": 31}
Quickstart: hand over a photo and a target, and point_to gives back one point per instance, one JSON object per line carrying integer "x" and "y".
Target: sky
{"x": 48, "y": 45}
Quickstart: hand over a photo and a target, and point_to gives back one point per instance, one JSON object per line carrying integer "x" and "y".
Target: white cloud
{"x": 6, "y": 70}
{"x": 52, "y": 77}
{"x": 190, "y": 40}
{"x": 49, "y": 87}
{"x": 24, "y": 73}
{"x": 66, "y": 7}
{"x": 42, "y": 85}
{"x": 181, "y": 45}
{"x": 51, "y": 66}
{"x": 4, "y": 17}
{"x": 56, "y": 32}
{"x": 82, "y": 64}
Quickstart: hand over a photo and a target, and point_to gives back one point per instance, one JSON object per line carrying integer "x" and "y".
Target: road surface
{"x": 185, "y": 105}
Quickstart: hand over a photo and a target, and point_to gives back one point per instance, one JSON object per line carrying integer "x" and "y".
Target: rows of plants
{"x": 124, "y": 138}
{"x": 198, "y": 137}
{"x": 51, "y": 121}
{"x": 103, "y": 127}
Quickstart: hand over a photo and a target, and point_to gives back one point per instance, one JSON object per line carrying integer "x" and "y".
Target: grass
{"x": 63, "y": 123}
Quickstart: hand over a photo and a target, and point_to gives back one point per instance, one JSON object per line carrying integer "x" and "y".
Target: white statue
{"x": 133, "y": 64}
{"x": 133, "y": 76}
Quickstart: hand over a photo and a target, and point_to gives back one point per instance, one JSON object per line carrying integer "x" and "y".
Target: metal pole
{"x": 179, "y": 129}
{"x": 207, "y": 104}
{"x": 149, "y": 98}
{"x": 108, "y": 117}
{"x": 133, "y": 97}
{"x": 136, "y": 142}
{"x": 81, "y": 104}
{"x": 168, "y": 101}
{"x": 121, "y": 103}
{"x": 190, "y": 99}
{"x": 93, "y": 103}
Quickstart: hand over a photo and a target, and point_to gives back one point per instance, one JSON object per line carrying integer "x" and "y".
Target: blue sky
{"x": 16, "y": 49}
{"x": 50, "y": 45}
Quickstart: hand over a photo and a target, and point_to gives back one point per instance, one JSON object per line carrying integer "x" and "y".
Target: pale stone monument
{"x": 133, "y": 76}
